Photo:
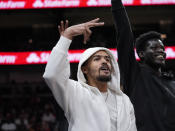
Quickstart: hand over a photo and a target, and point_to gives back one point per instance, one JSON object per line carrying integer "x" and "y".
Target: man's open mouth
{"x": 160, "y": 56}
{"x": 105, "y": 69}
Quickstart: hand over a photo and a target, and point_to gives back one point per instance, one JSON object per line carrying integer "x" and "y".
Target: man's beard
{"x": 104, "y": 78}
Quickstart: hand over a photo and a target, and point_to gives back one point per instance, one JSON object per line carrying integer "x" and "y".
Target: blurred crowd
{"x": 30, "y": 112}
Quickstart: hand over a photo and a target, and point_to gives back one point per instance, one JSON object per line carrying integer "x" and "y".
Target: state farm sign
{"x": 9, "y": 59}
{"x": 41, "y": 57}
{"x": 55, "y": 3}
{"x": 33, "y": 4}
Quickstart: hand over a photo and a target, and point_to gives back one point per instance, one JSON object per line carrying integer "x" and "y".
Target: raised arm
{"x": 57, "y": 71}
{"x": 125, "y": 45}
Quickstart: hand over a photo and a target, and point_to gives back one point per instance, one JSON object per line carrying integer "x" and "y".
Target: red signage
{"x": 41, "y": 57}
{"x": 34, "y": 4}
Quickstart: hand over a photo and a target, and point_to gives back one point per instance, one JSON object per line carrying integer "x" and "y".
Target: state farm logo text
{"x": 55, "y": 3}
{"x": 7, "y": 59}
{"x": 37, "y": 58}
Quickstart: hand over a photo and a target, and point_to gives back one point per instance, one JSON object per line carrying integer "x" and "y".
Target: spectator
{"x": 151, "y": 91}
{"x": 8, "y": 124}
{"x": 95, "y": 101}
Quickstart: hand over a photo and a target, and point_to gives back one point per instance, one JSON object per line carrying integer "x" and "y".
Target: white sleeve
{"x": 57, "y": 73}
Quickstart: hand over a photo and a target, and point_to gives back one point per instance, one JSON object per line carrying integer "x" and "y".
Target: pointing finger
{"x": 88, "y": 31}
{"x": 94, "y": 20}
{"x": 85, "y": 37}
{"x": 62, "y": 26}
{"x": 59, "y": 29}
{"x": 66, "y": 25}
{"x": 87, "y": 34}
{"x": 95, "y": 24}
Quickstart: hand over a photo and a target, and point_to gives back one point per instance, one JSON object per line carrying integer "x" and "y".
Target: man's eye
{"x": 108, "y": 59}
{"x": 153, "y": 48}
{"x": 96, "y": 58}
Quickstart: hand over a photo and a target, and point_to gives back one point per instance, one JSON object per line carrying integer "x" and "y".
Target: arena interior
{"x": 25, "y": 99}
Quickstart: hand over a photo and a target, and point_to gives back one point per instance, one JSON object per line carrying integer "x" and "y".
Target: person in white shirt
{"x": 94, "y": 102}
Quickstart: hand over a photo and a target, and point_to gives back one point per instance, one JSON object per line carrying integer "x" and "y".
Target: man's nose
{"x": 104, "y": 60}
{"x": 160, "y": 50}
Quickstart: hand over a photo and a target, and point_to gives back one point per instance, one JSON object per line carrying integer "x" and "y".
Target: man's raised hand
{"x": 80, "y": 29}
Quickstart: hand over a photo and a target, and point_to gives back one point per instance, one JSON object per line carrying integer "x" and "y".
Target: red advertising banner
{"x": 35, "y": 4}
{"x": 41, "y": 57}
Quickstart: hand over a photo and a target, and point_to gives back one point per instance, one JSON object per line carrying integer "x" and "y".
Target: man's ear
{"x": 141, "y": 55}
{"x": 84, "y": 69}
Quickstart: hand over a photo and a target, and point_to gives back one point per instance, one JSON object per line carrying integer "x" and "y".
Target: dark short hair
{"x": 143, "y": 39}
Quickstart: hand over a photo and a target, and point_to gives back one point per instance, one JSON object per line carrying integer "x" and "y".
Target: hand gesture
{"x": 80, "y": 29}
{"x": 62, "y": 27}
